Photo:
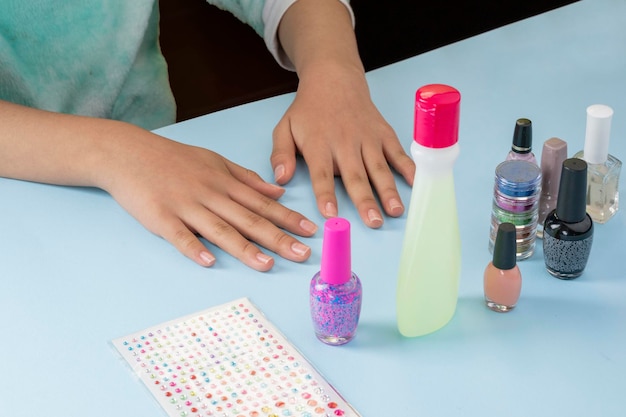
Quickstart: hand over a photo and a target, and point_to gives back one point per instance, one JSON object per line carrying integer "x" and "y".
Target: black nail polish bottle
{"x": 568, "y": 229}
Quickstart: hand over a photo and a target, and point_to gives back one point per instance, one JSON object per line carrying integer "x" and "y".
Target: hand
{"x": 179, "y": 191}
{"x": 335, "y": 126}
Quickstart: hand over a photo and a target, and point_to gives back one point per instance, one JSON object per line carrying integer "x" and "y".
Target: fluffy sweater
{"x": 102, "y": 57}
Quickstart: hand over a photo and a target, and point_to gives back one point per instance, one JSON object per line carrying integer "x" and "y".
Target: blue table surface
{"x": 77, "y": 271}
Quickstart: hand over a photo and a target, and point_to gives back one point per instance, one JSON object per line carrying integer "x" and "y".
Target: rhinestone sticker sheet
{"x": 228, "y": 361}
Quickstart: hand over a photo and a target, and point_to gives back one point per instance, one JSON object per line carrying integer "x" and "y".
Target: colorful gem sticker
{"x": 228, "y": 361}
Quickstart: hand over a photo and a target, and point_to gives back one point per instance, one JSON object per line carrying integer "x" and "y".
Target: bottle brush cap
{"x": 523, "y": 136}
{"x": 505, "y": 248}
{"x": 437, "y": 108}
{"x": 336, "y": 263}
{"x": 571, "y": 205}
{"x": 597, "y": 133}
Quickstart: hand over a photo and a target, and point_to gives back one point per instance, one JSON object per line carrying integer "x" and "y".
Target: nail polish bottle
{"x": 522, "y": 147}
{"x": 335, "y": 291}
{"x": 502, "y": 279}
{"x": 430, "y": 260}
{"x": 552, "y": 156}
{"x": 568, "y": 229}
{"x": 603, "y": 169}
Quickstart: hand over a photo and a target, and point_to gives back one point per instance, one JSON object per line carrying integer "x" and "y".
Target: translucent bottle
{"x": 603, "y": 168}
{"x": 430, "y": 261}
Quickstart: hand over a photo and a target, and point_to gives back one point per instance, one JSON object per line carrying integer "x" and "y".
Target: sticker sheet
{"x": 228, "y": 361}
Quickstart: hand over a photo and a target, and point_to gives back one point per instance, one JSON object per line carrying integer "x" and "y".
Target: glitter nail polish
{"x": 568, "y": 229}
{"x": 502, "y": 278}
{"x": 335, "y": 291}
{"x": 522, "y": 147}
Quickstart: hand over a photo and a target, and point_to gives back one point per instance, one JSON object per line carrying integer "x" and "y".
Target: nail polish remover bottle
{"x": 335, "y": 291}
{"x": 603, "y": 168}
{"x": 428, "y": 279}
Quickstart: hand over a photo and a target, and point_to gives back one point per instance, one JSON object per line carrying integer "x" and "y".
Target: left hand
{"x": 336, "y": 127}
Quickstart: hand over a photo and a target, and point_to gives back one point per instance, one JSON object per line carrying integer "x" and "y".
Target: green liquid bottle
{"x": 430, "y": 262}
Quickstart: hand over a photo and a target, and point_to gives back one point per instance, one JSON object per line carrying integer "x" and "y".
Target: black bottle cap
{"x": 505, "y": 248}
{"x": 571, "y": 205}
{"x": 523, "y": 136}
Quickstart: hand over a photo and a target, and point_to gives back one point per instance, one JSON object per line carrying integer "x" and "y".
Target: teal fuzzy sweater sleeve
{"x": 89, "y": 57}
{"x": 102, "y": 58}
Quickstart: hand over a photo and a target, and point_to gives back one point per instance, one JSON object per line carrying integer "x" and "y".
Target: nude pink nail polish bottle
{"x": 503, "y": 280}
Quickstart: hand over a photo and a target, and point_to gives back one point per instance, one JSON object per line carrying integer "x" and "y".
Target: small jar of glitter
{"x": 517, "y": 188}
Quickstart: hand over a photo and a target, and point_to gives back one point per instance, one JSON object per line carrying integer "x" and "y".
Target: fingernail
{"x": 374, "y": 216}
{"x": 395, "y": 206}
{"x": 261, "y": 257}
{"x": 279, "y": 171}
{"x": 308, "y": 226}
{"x": 300, "y": 249}
{"x": 330, "y": 210}
{"x": 207, "y": 258}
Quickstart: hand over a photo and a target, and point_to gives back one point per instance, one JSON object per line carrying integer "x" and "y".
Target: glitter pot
{"x": 515, "y": 204}
{"x": 518, "y": 178}
{"x": 516, "y": 200}
{"x": 525, "y": 239}
{"x": 522, "y": 219}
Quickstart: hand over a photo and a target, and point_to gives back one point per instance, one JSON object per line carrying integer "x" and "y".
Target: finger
{"x": 383, "y": 181}
{"x": 398, "y": 158}
{"x": 183, "y": 239}
{"x": 283, "y": 158}
{"x": 222, "y": 234}
{"x": 249, "y": 225}
{"x": 273, "y": 211}
{"x": 323, "y": 182}
{"x": 254, "y": 181}
{"x": 356, "y": 181}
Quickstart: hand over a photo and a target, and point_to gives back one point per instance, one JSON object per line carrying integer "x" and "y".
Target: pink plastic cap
{"x": 336, "y": 268}
{"x": 437, "y": 108}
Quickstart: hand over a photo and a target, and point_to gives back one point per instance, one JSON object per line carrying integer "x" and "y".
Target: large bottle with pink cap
{"x": 430, "y": 261}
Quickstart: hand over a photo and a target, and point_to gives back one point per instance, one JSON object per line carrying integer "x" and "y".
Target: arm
{"x": 332, "y": 121}
{"x": 175, "y": 190}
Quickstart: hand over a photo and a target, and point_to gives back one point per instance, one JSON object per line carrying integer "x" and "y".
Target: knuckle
{"x": 220, "y": 229}
{"x": 184, "y": 240}
{"x": 251, "y": 176}
{"x": 266, "y": 206}
{"x": 355, "y": 177}
{"x": 281, "y": 239}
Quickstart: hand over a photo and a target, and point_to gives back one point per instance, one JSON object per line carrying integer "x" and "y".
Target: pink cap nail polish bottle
{"x": 335, "y": 291}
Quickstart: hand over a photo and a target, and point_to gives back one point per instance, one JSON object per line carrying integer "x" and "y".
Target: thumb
{"x": 283, "y": 158}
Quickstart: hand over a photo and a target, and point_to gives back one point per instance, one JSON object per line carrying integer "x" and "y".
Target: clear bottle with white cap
{"x": 603, "y": 168}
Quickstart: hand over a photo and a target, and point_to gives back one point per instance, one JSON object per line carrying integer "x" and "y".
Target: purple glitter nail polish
{"x": 335, "y": 291}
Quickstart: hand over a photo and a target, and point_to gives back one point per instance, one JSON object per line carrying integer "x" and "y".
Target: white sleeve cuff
{"x": 272, "y": 14}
